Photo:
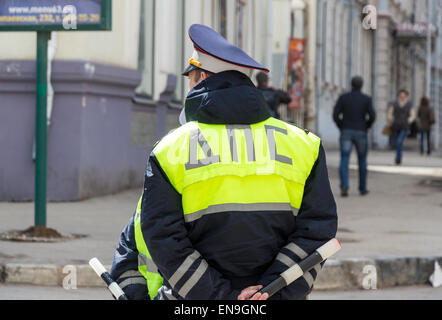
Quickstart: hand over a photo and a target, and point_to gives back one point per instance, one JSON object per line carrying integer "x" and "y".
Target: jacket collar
{"x": 228, "y": 97}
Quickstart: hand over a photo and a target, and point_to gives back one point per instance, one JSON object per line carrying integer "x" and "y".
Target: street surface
{"x": 402, "y": 216}
{"x": 21, "y": 292}
{"x": 29, "y": 292}
{"x": 399, "y": 293}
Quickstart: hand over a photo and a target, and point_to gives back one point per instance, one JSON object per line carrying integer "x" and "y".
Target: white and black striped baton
{"x": 296, "y": 271}
{"x": 111, "y": 284}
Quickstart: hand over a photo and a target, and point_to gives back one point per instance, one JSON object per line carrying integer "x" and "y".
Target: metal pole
{"x": 413, "y": 58}
{"x": 41, "y": 128}
{"x": 428, "y": 71}
{"x": 437, "y": 104}
{"x": 374, "y": 57}
{"x": 350, "y": 43}
{"x": 319, "y": 49}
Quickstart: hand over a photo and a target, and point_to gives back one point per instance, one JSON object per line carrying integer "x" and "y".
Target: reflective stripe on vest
{"x": 146, "y": 266}
{"x": 257, "y": 167}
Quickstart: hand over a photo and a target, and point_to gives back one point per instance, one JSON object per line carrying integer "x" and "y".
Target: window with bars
{"x": 180, "y": 52}
{"x": 223, "y": 18}
{"x": 240, "y": 16}
{"x": 146, "y": 49}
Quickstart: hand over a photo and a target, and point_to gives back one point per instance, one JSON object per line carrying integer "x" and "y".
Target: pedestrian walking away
{"x": 232, "y": 198}
{"x": 354, "y": 115}
{"x": 426, "y": 118}
{"x": 400, "y": 116}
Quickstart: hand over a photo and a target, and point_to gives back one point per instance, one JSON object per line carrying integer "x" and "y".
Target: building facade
{"x": 115, "y": 93}
{"x": 343, "y": 49}
{"x": 93, "y": 76}
{"x": 387, "y": 61}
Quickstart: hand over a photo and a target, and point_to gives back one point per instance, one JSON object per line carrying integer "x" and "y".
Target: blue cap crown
{"x": 213, "y": 51}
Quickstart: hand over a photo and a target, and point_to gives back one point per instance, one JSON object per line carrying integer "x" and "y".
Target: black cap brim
{"x": 191, "y": 67}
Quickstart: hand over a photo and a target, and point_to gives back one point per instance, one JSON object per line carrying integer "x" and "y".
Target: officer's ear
{"x": 205, "y": 75}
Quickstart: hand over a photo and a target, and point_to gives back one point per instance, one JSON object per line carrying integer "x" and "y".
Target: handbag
{"x": 387, "y": 130}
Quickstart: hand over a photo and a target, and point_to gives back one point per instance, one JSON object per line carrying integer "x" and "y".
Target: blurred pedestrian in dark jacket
{"x": 400, "y": 116}
{"x": 354, "y": 115}
{"x": 426, "y": 119}
{"x": 273, "y": 96}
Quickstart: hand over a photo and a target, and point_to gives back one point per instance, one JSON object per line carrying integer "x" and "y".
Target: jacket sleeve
{"x": 371, "y": 113}
{"x": 316, "y": 223}
{"x": 165, "y": 233}
{"x": 283, "y": 96}
{"x": 124, "y": 268}
{"x": 411, "y": 116}
{"x": 390, "y": 114}
{"x": 337, "y": 113}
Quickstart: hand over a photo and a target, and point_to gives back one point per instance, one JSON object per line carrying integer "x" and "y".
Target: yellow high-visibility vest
{"x": 218, "y": 168}
{"x": 146, "y": 266}
{"x": 226, "y": 167}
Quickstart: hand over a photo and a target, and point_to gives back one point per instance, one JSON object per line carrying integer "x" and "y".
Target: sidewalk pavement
{"x": 395, "y": 231}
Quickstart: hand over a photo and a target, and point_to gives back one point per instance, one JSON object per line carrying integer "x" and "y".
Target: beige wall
{"x": 118, "y": 47}
{"x": 281, "y": 25}
{"x": 265, "y": 33}
{"x": 18, "y": 45}
{"x": 165, "y": 43}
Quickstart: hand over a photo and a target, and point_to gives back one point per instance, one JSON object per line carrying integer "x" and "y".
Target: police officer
{"x": 232, "y": 198}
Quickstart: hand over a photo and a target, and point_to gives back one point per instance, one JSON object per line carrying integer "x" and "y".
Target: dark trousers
{"x": 425, "y": 134}
{"x": 360, "y": 141}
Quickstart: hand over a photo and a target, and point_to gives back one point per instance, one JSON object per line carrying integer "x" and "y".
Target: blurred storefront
{"x": 391, "y": 57}
{"x": 117, "y": 92}
{"x": 93, "y": 76}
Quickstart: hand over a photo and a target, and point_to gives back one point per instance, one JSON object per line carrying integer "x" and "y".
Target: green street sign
{"x": 55, "y": 15}
{"x": 45, "y": 16}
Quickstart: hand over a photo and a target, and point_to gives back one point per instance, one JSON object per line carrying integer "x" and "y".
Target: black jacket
{"x": 274, "y": 98}
{"x": 426, "y": 117}
{"x": 354, "y": 110}
{"x": 400, "y": 116}
{"x": 237, "y": 249}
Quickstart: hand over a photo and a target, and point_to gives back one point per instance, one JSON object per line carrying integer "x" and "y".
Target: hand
{"x": 251, "y": 293}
